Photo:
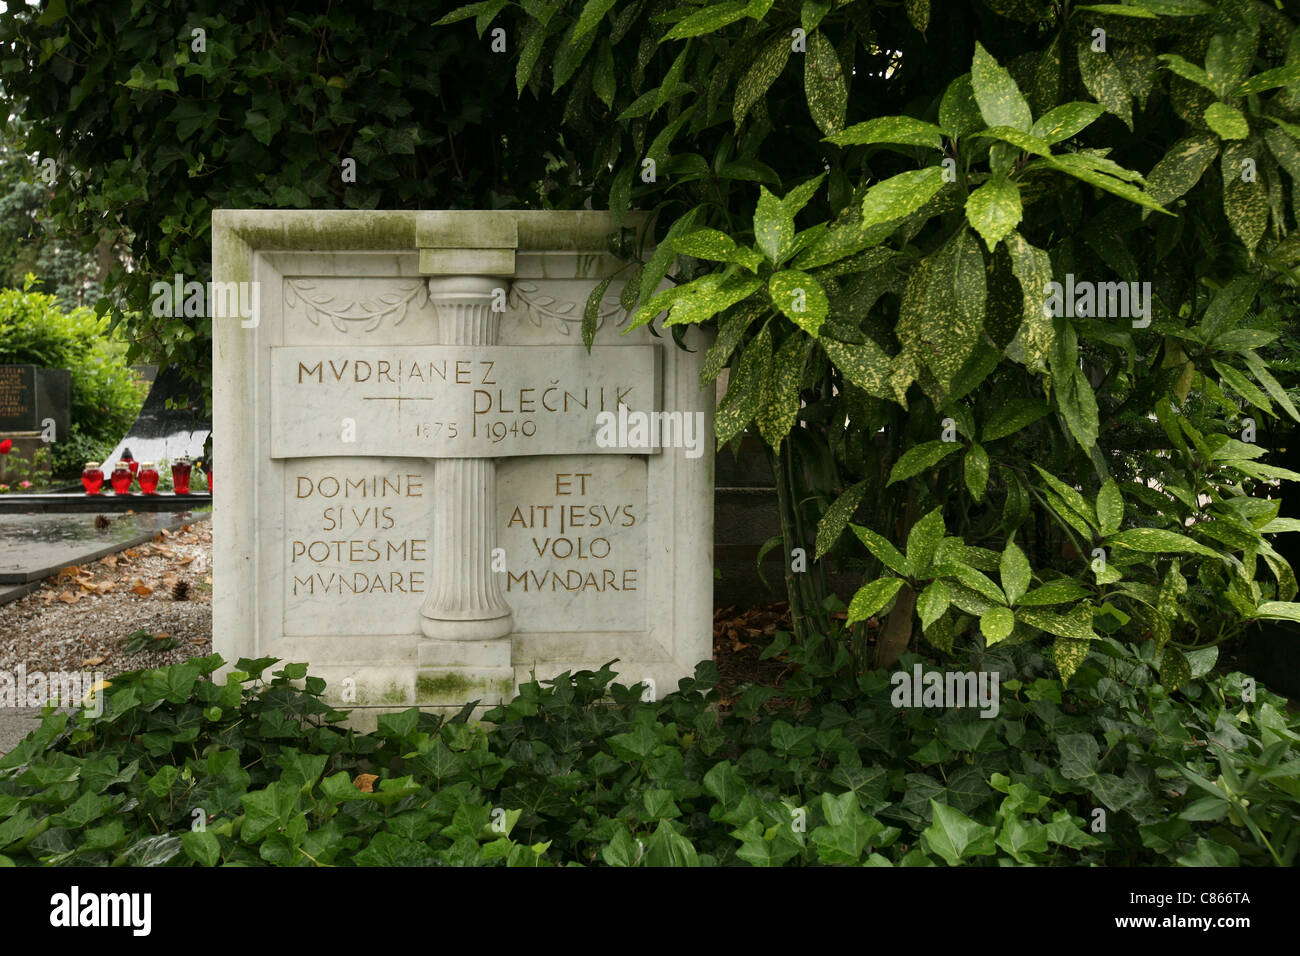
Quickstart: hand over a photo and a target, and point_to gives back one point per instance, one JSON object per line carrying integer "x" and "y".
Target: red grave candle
{"x": 121, "y": 479}
{"x": 148, "y": 478}
{"x": 181, "y": 476}
{"x": 92, "y": 478}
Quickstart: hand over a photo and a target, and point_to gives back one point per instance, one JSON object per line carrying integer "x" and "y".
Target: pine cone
{"x": 181, "y": 592}
{"x": 102, "y": 522}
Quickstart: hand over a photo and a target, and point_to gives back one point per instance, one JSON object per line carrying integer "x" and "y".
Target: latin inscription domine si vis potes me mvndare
{"x": 436, "y": 496}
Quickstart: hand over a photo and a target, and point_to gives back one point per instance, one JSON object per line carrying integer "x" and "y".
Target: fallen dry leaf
{"x": 365, "y": 782}
{"x": 92, "y": 662}
{"x": 186, "y": 560}
{"x": 69, "y": 597}
{"x": 109, "y": 562}
{"x": 143, "y": 590}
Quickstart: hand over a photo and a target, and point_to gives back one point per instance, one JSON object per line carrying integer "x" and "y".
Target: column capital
{"x": 467, "y": 243}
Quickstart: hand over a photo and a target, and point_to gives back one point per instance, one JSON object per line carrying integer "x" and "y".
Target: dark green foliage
{"x": 106, "y": 394}
{"x": 152, "y": 134}
{"x": 581, "y": 771}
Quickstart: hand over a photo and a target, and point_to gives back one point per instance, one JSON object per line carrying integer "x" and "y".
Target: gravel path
{"x": 82, "y": 618}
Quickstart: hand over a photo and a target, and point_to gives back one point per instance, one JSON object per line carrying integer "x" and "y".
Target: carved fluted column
{"x": 464, "y": 601}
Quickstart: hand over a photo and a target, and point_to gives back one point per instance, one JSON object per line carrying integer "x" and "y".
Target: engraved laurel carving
{"x": 363, "y": 314}
{"x": 538, "y": 306}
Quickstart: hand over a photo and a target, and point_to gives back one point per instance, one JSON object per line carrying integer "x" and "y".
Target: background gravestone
{"x": 30, "y": 397}
{"x": 417, "y": 504}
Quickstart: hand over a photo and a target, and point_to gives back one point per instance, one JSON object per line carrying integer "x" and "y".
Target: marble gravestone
{"x": 423, "y": 495}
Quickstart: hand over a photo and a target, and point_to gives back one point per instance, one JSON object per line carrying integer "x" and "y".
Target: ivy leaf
{"x": 1227, "y": 121}
{"x": 1000, "y": 100}
{"x": 837, "y": 516}
{"x": 780, "y": 404}
{"x": 759, "y": 77}
{"x": 920, "y": 458}
{"x": 824, "y": 86}
{"x": 801, "y": 298}
{"x": 900, "y": 195}
{"x": 202, "y": 847}
{"x": 871, "y": 597}
{"x": 1105, "y": 82}
{"x": 902, "y": 130}
{"x": 994, "y": 210}
{"x": 955, "y": 836}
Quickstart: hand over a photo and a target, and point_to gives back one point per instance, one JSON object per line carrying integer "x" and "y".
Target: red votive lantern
{"x": 121, "y": 479}
{"x": 130, "y": 463}
{"x": 92, "y": 478}
{"x": 148, "y": 478}
{"x": 207, "y": 473}
{"x": 181, "y": 476}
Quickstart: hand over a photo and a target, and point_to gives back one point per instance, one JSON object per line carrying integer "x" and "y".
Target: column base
{"x": 480, "y": 629}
